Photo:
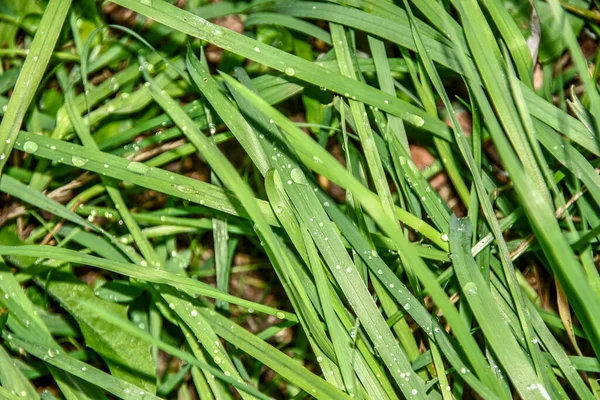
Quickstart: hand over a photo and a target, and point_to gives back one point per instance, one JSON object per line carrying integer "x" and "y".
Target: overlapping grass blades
{"x": 384, "y": 291}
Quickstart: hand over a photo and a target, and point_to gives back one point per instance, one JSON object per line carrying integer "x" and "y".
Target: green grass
{"x": 190, "y": 212}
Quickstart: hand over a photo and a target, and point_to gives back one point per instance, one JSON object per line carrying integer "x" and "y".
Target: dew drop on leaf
{"x": 470, "y": 289}
{"x": 138, "y": 168}
{"x": 30, "y": 147}
{"x": 78, "y": 161}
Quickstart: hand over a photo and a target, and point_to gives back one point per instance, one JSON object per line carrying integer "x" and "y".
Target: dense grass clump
{"x": 367, "y": 199}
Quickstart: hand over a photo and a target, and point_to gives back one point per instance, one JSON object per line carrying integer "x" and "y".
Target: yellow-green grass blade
{"x": 31, "y": 74}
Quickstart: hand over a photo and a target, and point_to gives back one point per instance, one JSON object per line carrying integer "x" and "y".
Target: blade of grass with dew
{"x": 328, "y": 242}
{"x": 325, "y": 236}
{"x": 359, "y": 113}
{"x": 156, "y": 179}
{"x": 505, "y": 346}
{"x": 342, "y": 347}
{"x": 86, "y": 372}
{"x": 373, "y": 384}
{"x": 437, "y": 210}
{"x": 188, "y": 311}
{"x": 31, "y": 74}
{"x": 88, "y": 142}
{"x": 354, "y": 211}
{"x": 6, "y": 394}
{"x": 346, "y": 64}
{"x": 137, "y": 272}
{"x": 207, "y": 388}
{"x": 12, "y": 378}
{"x": 123, "y": 104}
{"x": 552, "y": 345}
{"x": 263, "y": 352}
{"x": 394, "y": 29}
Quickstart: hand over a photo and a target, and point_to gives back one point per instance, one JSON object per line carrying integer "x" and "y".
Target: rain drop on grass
{"x": 184, "y": 189}
{"x": 138, "y": 168}
{"x": 297, "y": 176}
{"x": 417, "y": 121}
{"x": 30, "y": 147}
{"x": 289, "y": 71}
{"x": 52, "y": 353}
{"x": 147, "y": 2}
{"x": 470, "y": 289}
{"x": 78, "y": 161}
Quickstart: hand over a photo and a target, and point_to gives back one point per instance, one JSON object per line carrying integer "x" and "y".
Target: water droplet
{"x": 78, "y": 161}
{"x": 138, "y": 168}
{"x": 297, "y": 175}
{"x": 444, "y": 237}
{"x": 417, "y": 121}
{"x": 289, "y": 71}
{"x": 30, "y": 147}
{"x": 280, "y": 315}
{"x": 256, "y": 49}
{"x": 184, "y": 189}
{"x": 147, "y": 2}
{"x": 470, "y": 289}
{"x": 52, "y": 353}
{"x": 194, "y": 313}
